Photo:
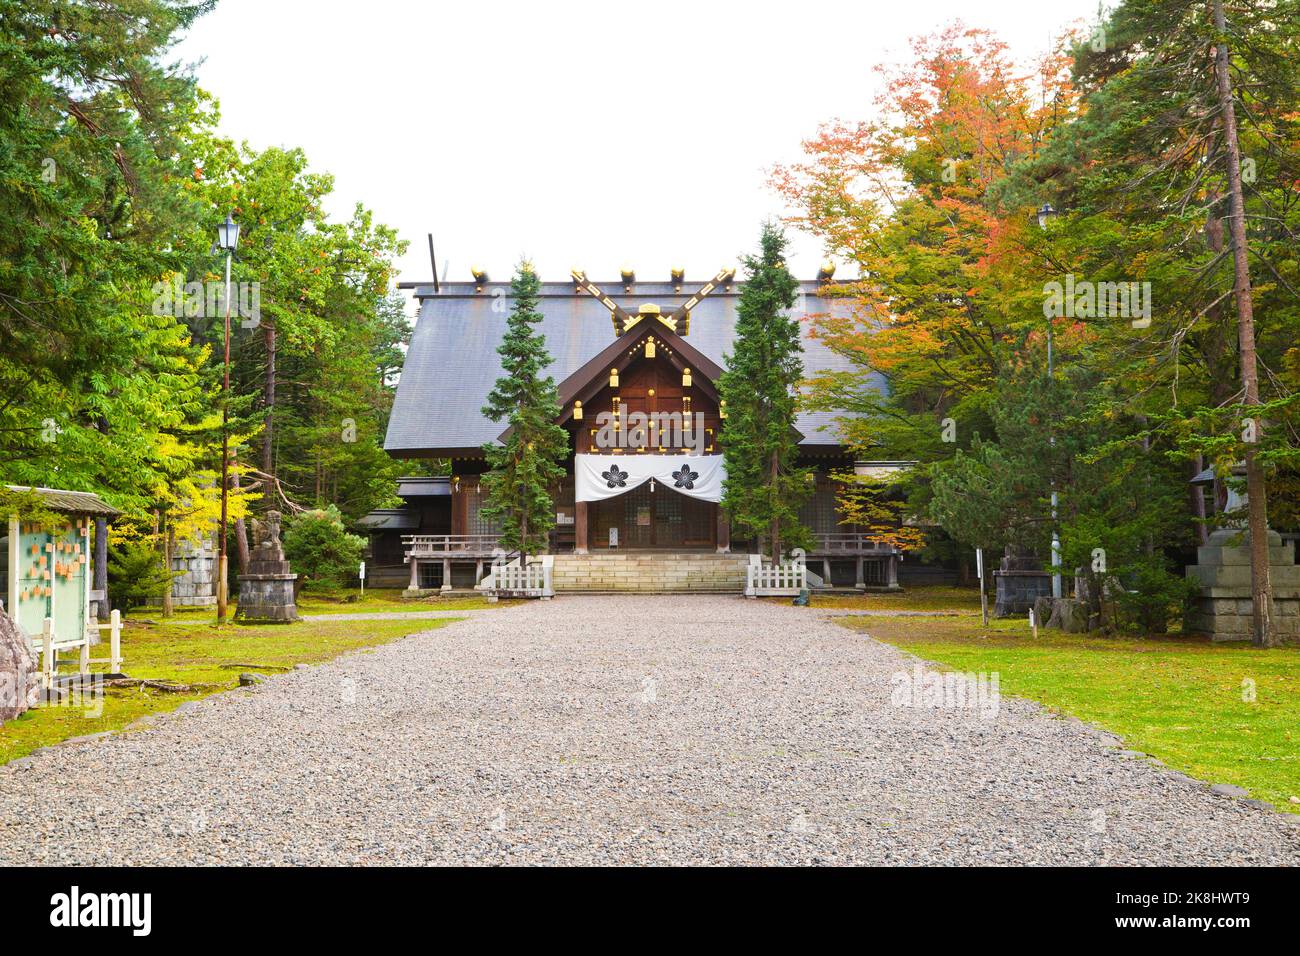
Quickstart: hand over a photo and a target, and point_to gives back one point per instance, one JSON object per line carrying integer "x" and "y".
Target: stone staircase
{"x": 650, "y": 572}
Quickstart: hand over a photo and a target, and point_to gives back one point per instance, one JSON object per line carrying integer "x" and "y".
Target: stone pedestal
{"x": 266, "y": 589}
{"x": 1019, "y": 581}
{"x": 1222, "y": 570}
{"x": 195, "y": 566}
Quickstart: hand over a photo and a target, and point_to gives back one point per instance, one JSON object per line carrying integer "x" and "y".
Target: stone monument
{"x": 1222, "y": 569}
{"x": 1019, "y": 581}
{"x": 266, "y": 588}
{"x": 195, "y": 567}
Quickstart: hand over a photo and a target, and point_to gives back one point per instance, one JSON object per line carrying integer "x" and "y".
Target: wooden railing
{"x": 51, "y": 645}
{"x": 534, "y": 580}
{"x": 776, "y": 580}
{"x": 848, "y": 543}
{"x": 444, "y": 545}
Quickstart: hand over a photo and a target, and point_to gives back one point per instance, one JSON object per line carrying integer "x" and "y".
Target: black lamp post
{"x": 227, "y": 239}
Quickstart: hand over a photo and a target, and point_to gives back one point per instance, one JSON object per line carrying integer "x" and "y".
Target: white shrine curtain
{"x": 607, "y": 476}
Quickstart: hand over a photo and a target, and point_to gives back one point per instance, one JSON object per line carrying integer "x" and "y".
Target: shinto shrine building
{"x": 627, "y": 355}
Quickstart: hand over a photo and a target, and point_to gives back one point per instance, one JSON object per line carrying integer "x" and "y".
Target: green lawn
{"x": 926, "y": 598}
{"x": 318, "y": 600}
{"x": 1177, "y": 698}
{"x": 193, "y": 654}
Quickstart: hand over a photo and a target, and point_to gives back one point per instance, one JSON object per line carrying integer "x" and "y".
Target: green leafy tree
{"x": 319, "y": 546}
{"x": 137, "y": 573}
{"x": 525, "y": 468}
{"x": 764, "y": 489}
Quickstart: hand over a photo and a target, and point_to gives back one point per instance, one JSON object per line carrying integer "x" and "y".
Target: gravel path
{"x": 617, "y": 730}
{"x": 392, "y": 615}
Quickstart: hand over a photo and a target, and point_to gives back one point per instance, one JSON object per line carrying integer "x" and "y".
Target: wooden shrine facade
{"x": 641, "y": 353}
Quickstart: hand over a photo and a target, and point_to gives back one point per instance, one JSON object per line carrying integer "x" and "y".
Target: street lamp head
{"x": 228, "y": 234}
{"x": 1045, "y": 212}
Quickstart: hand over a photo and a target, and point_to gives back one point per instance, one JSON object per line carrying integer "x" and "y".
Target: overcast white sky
{"x": 581, "y": 133}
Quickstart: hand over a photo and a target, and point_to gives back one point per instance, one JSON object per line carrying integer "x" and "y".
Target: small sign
{"x": 562, "y": 518}
{"x": 363, "y": 570}
{"x": 99, "y": 595}
{"x": 613, "y": 537}
{"x": 643, "y": 517}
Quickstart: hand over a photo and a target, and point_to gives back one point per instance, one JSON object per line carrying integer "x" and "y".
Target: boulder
{"x": 1043, "y": 609}
{"x": 1069, "y": 615}
{"x": 20, "y": 684}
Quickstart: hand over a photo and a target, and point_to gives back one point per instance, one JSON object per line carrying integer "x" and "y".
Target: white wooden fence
{"x": 534, "y": 580}
{"x": 50, "y": 645}
{"x": 786, "y": 579}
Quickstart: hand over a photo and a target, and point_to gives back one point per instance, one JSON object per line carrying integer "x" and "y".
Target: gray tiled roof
{"x": 71, "y": 502}
{"x": 452, "y": 360}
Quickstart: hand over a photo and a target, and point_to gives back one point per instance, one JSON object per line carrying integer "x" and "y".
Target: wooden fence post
{"x": 47, "y": 653}
{"x": 115, "y": 641}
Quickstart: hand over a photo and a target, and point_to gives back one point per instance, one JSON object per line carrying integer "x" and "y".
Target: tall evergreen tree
{"x": 764, "y": 489}
{"x": 524, "y": 469}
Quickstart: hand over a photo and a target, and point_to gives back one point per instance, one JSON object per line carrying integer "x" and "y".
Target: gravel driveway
{"x": 617, "y": 730}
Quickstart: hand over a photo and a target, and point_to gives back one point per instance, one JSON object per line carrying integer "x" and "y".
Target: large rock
{"x": 20, "y": 684}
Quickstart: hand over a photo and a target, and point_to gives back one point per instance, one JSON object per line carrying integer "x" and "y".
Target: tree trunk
{"x": 101, "y": 567}
{"x": 776, "y": 521}
{"x": 241, "y": 532}
{"x": 169, "y": 547}
{"x": 1263, "y": 633}
{"x": 268, "y": 400}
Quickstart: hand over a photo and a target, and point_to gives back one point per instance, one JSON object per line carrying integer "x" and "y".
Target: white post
{"x": 115, "y": 641}
{"x": 47, "y": 653}
{"x": 85, "y": 598}
{"x": 14, "y": 576}
{"x": 49, "y": 566}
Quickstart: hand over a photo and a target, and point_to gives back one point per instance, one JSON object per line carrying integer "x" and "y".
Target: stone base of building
{"x": 1224, "y": 608}
{"x": 651, "y": 572}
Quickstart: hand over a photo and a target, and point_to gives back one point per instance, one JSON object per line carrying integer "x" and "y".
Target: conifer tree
{"x": 525, "y": 467}
{"x": 764, "y": 489}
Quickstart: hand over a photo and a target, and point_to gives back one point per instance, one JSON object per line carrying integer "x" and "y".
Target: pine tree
{"x": 764, "y": 489}
{"x": 524, "y": 469}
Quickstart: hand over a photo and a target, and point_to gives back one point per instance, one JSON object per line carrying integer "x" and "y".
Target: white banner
{"x": 607, "y": 476}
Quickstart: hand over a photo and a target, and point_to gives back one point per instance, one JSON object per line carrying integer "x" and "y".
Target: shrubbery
{"x": 1153, "y": 598}
{"x": 320, "y": 548}
{"x": 136, "y": 574}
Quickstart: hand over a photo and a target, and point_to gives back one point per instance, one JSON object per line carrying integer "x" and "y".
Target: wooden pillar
{"x": 446, "y": 574}
{"x": 891, "y": 569}
{"x": 724, "y": 532}
{"x": 580, "y": 527}
{"x": 415, "y": 574}
{"x": 861, "y": 581}
{"x": 826, "y": 571}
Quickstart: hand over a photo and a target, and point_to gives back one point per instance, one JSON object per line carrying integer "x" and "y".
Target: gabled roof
{"x": 70, "y": 502}
{"x": 452, "y": 360}
{"x": 389, "y": 519}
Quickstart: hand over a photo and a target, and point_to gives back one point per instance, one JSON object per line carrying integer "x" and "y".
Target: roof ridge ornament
{"x": 680, "y": 320}
{"x": 622, "y": 320}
